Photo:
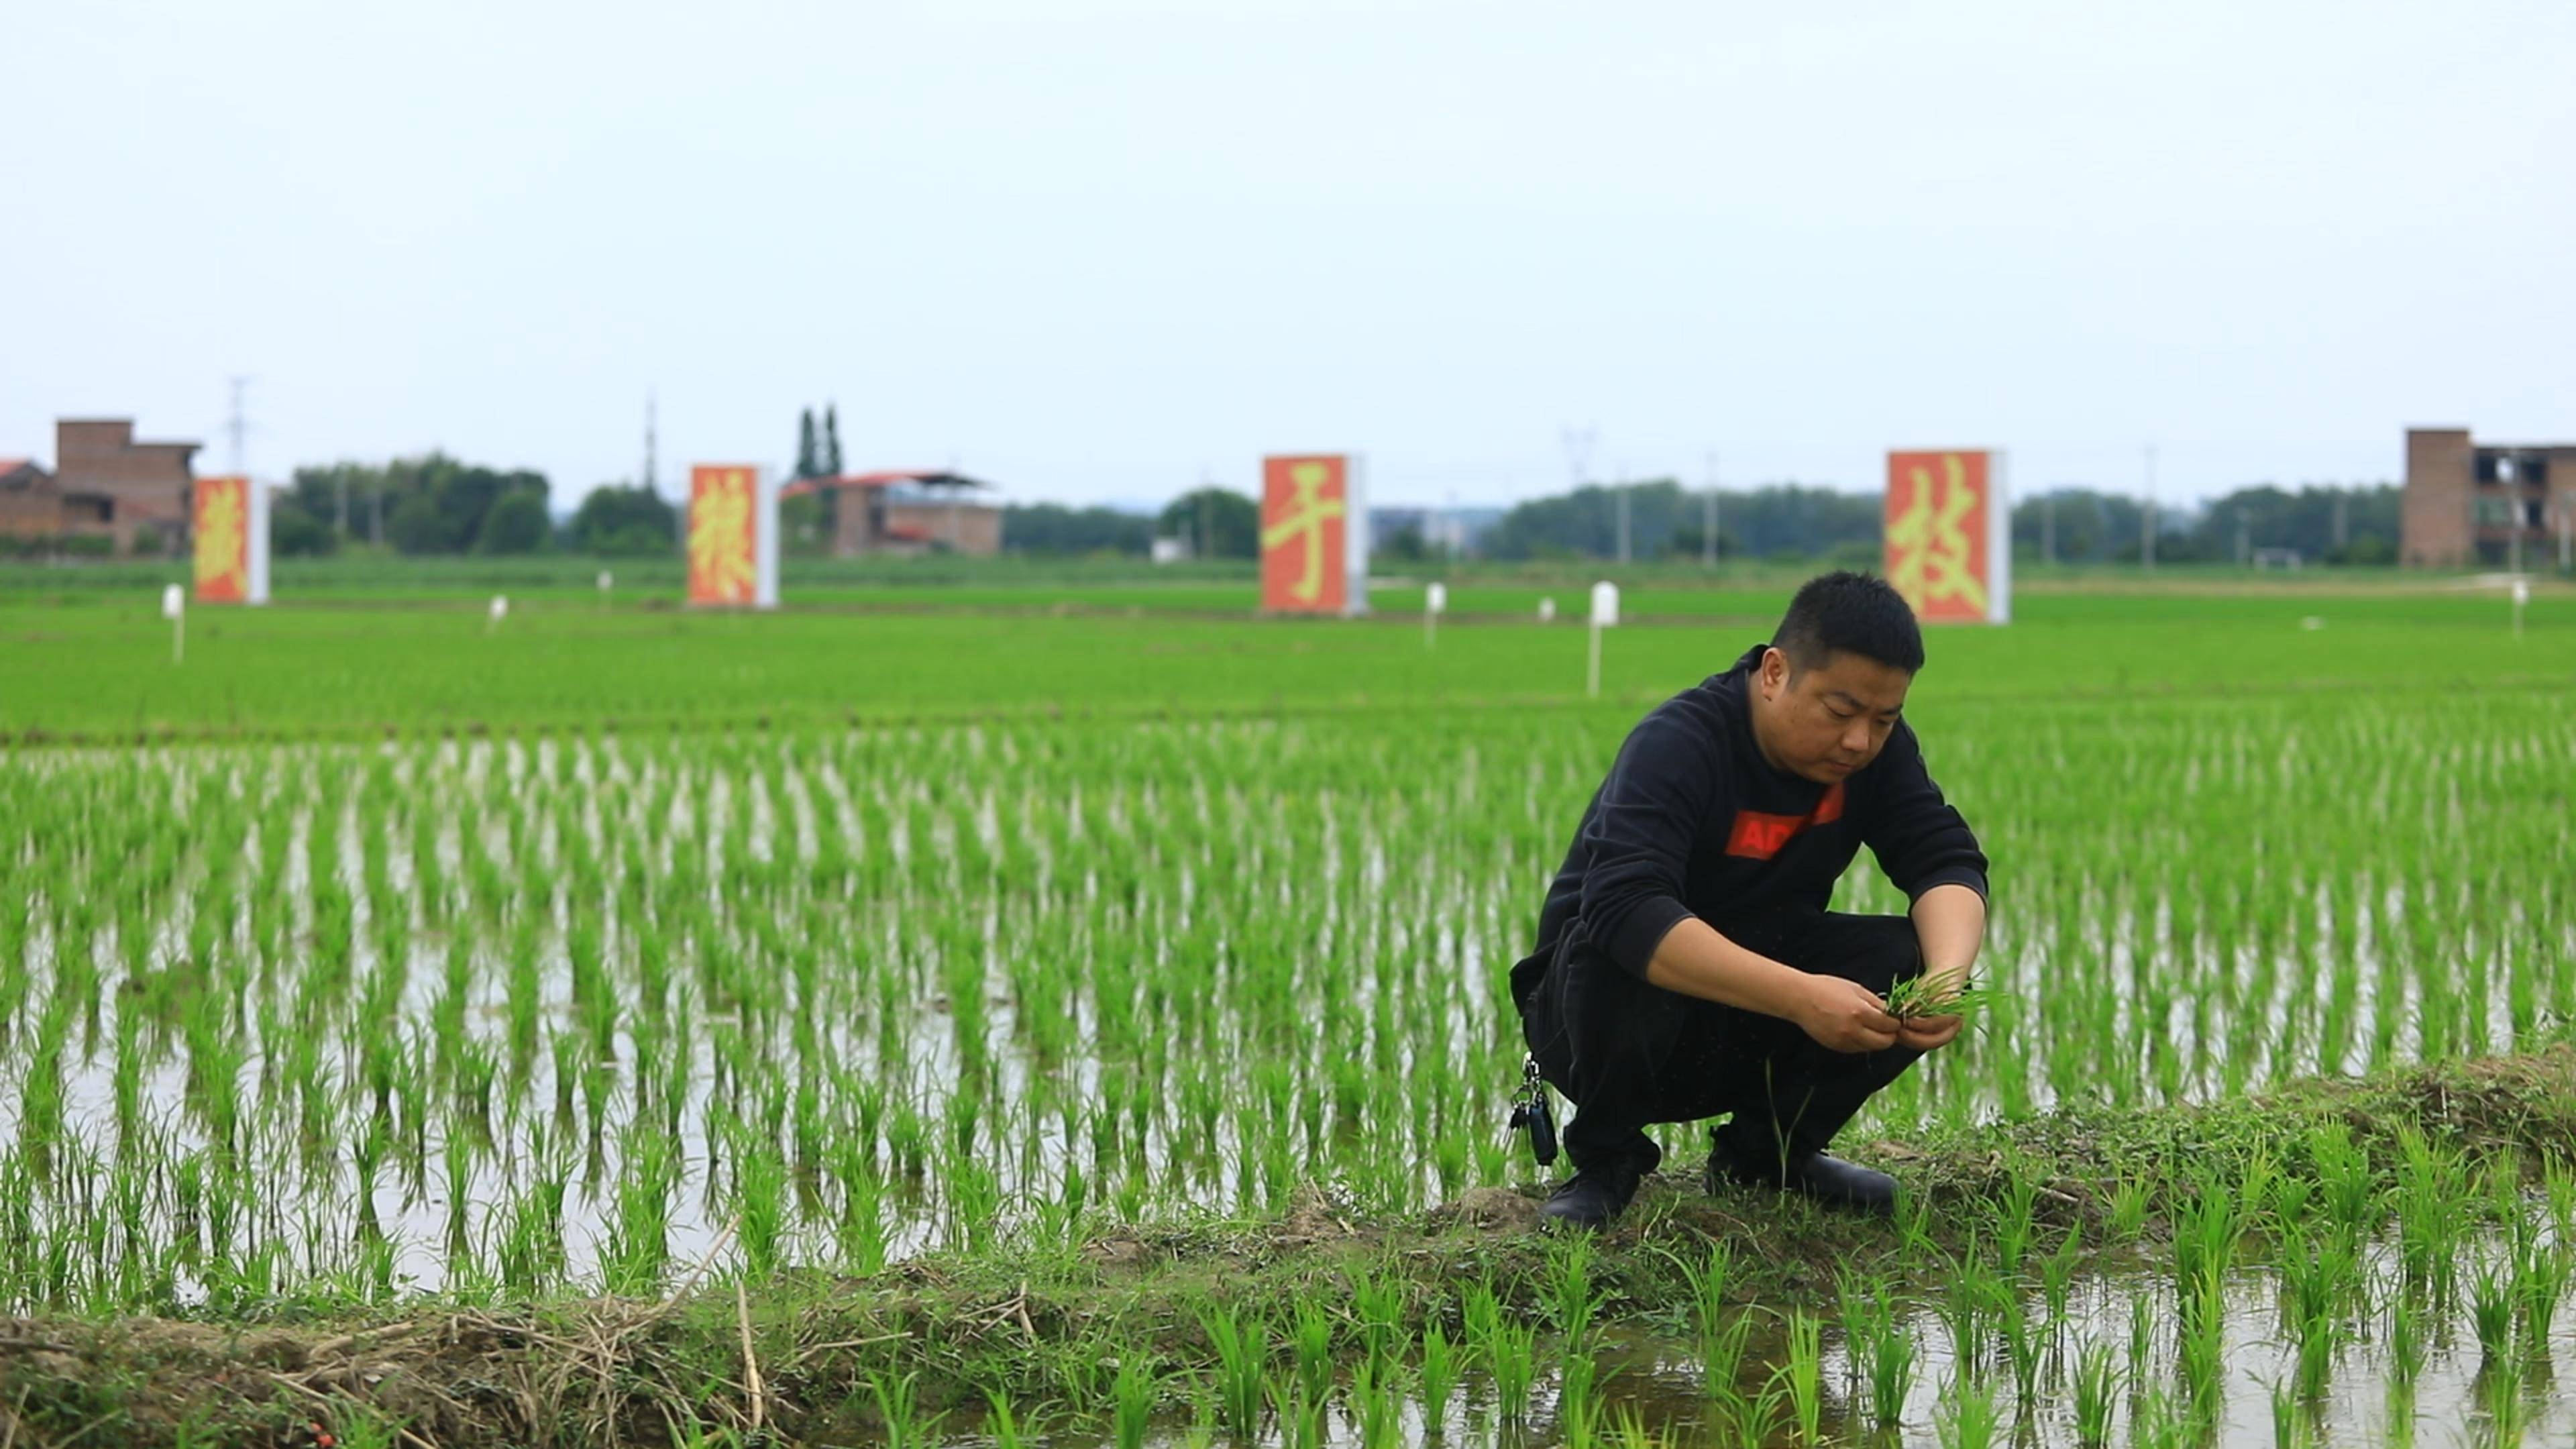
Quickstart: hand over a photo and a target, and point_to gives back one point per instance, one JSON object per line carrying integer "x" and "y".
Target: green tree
{"x": 831, "y": 440}
{"x": 1052, "y": 528}
{"x": 515, "y": 523}
{"x": 1219, "y": 522}
{"x": 624, "y": 521}
{"x": 808, "y": 456}
{"x": 293, "y": 532}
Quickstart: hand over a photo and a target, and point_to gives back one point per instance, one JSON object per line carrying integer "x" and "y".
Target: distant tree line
{"x": 436, "y": 504}
{"x": 2323, "y": 523}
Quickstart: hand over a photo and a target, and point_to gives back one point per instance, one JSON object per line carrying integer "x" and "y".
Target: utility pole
{"x": 237, "y": 426}
{"x": 2147, "y": 516}
{"x": 1207, "y": 545}
{"x": 342, "y": 477}
{"x": 2342, "y": 533}
{"x": 2244, "y": 541}
{"x": 1621, "y": 488}
{"x": 2048, "y": 527}
{"x": 649, "y": 485}
{"x": 1708, "y": 518}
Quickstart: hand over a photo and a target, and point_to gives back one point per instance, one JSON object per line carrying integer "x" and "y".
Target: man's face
{"x": 1830, "y": 720}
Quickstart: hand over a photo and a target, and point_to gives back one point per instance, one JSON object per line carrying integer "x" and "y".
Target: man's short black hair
{"x": 1856, "y": 613}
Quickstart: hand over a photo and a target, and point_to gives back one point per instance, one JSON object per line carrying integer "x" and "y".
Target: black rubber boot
{"x": 1825, "y": 1178}
{"x": 1592, "y": 1197}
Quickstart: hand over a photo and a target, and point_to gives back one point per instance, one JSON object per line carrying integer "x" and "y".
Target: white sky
{"x": 1089, "y": 250}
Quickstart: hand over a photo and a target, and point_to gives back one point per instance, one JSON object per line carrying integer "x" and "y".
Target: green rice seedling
{"x": 2318, "y": 1338}
{"x": 2500, "y": 1386}
{"x": 2542, "y": 1272}
{"x": 1570, "y": 1292}
{"x": 1628, "y": 1431}
{"x": 1801, "y": 1375}
{"x": 2097, "y": 1385}
{"x": 1890, "y": 1356}
{"x": 1721, "y": 1353}
{"x": 1375, "y": 1406}
{"x": 2015, "y": 1219}
{"x": 1439, "y": 1376}
{"x": 1132, "y": 1396}
{"x": 1917, "y": 997}
{"x": 1300, "y": 1417}
{"x": 2128, "y": 1209}
{"x": 1748, "y": 1419}
{"x": 2491, "y": 1309}
{"x": 2201, "y": 1340}
{"x": 899, "y": 1412}
{"x": 2289, "y": 1425}
{"x": 1480, "y": 1314}
{"x": 1964, "y": 1311}
{"x": 1243, "y": 1367}
{"x": 1002, "y": 1423}
{"x": 1314, "y": 1346}
{"x": 1968, "y": 1417}
{"x": 2406, "y": 1345}
{"x": 1512, "y": 1361}
{"x": 1577, "y": 1389}
{"x": 1379, "y": 1301}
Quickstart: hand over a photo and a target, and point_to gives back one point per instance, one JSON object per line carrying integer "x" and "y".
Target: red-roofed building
{"x": 906, "y": 511}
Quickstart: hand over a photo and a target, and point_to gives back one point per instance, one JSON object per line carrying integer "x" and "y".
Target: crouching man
{"x": 1686, "y": 966}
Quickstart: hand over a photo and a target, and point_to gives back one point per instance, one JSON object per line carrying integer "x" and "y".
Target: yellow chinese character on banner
{"x": 1931, "y": 560}
{"x": 1304, "y": 518}
{"x": 221, "y": 531}
{"x": 720, "y": 537}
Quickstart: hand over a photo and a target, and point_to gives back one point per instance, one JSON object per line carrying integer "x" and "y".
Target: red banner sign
{"x": 1305, "y": 507}
{"x": 222, "y": 525}
{"x": 724, "y": 543}
{"x": 1942, "y": 553}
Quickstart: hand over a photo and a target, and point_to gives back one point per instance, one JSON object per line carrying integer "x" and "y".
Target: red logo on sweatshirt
{"x": 1758, "y": 836}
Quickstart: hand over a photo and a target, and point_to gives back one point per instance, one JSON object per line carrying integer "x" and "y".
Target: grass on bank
{"x": 1232, "y": 1319}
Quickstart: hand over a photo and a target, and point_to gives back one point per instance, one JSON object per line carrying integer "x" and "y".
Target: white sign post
{"x": 1605, "y": 614}
{"x": 1547, "y": 610}
{"x": 1434, "y": 600}
{"x": 605, "y": 582}
{"x": 2521, "y": 596}
{"x": 500, "y": 607}
{"x": 174, "y": 607}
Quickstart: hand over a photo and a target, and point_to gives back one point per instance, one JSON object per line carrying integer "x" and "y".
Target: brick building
{"x": 907, "y": 513}
{"x": 2467, "y": 503}
{"x": 103, "y": 484}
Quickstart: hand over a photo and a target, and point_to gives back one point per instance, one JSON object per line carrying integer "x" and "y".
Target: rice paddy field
{"x": 1084, "y": 1022}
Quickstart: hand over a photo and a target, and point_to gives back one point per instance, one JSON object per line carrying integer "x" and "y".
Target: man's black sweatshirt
{"x": 1692, "y": 821}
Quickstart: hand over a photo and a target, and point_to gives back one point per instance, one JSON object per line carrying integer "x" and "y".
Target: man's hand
{"x": 1846, "y": 1016}
{"x": 1923, "y": 1033}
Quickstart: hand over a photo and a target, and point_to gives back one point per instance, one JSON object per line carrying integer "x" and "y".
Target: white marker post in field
{"x": 1605, "y": 614}
{"x": 1547, "y": 609}
{"x": 174, "y": 607}
{"x": 500, "y": 609}
{"x": 2521, "y": 596}
{"x": 1434, "y": 600}
{"x": 605, "y": 583}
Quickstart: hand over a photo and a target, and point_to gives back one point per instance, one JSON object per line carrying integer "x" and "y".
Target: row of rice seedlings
{"x": 879, "y": 991}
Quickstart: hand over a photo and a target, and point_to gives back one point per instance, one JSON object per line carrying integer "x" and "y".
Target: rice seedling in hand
{"x": 1918, "y": 997}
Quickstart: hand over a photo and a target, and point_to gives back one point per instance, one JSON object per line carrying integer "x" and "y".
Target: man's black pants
{"x": 1627, "y": 1053}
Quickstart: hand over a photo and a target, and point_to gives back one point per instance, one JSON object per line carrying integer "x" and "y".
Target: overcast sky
{"x": 1092, "y": 249}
